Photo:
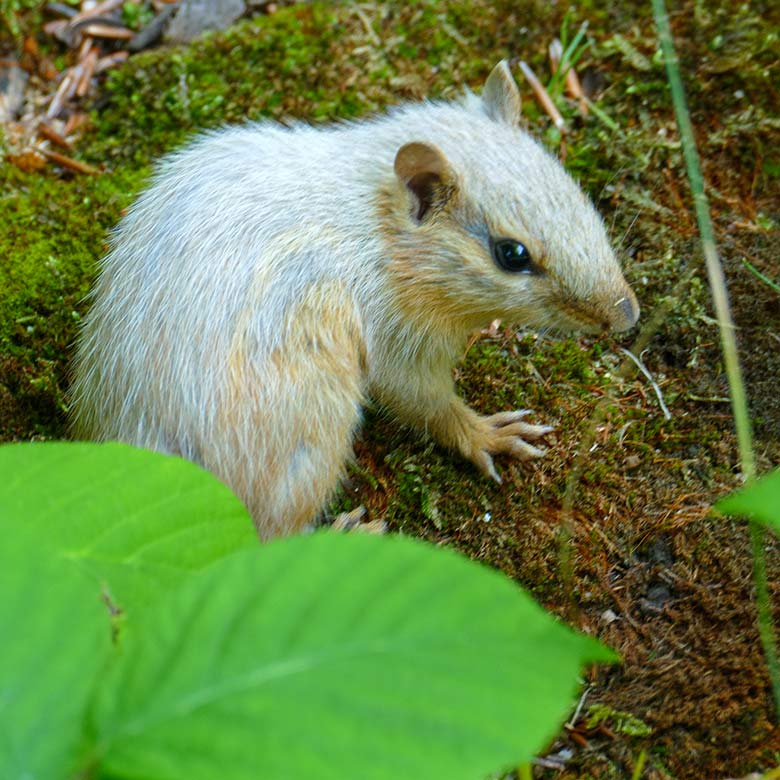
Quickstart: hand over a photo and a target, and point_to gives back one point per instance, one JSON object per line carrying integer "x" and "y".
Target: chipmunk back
{"x": 272, "y": 278}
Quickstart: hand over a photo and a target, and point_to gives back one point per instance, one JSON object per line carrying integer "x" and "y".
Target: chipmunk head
{"x": 501, "y": 228}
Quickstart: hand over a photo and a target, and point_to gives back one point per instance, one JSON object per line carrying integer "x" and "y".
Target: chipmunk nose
{"x": 626, "y": 311}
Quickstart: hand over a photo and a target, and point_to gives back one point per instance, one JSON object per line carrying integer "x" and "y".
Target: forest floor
{"x": 613, "y": 530}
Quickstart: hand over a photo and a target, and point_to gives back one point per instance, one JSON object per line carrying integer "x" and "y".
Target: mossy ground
{"x": 629, "y": 551}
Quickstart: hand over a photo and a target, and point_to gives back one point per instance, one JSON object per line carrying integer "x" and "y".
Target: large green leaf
{"x": 138, "y": 521}
{"x": 338, "y": 656}
{"x": 759, "y": 501}
{"x": 55, "y": 632}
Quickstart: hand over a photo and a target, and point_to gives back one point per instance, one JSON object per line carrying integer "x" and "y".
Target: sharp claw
{"x": 348, "y": 521}
{"x": 487, "y": 467}
{"x": 491, "y": 470}
{"x": 523, "y": 430}
{"x": 525, "y": 451}
{"x": 508, "y": 433}
{"x": 505, "y": 418}
{"x": 372, "y": 527}
{"x": 351, "y": 522}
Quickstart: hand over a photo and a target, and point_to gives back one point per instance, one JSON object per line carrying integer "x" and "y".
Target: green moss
{"x": 429, "y": 492}
{"x": 621, "y": 722}
{"x": 17, "y": 17}
{"x": 310, "y": 61}
{"x": 51, "y": 234}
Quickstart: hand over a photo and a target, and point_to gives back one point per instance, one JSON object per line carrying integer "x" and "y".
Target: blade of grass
{"x": 564, "y": 36}
{"x": 728, "y": 341}
{"x": 639, "y": 766}
{"x": 765, "y": 279}
{"x": 602, "y": 116}
{"x": 574, "y": 50}
{"x": 569, "y": 58}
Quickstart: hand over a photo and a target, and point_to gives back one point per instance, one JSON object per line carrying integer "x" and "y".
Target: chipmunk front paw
{"x": 353, "y": 522}
{"x": 505, "y": 432}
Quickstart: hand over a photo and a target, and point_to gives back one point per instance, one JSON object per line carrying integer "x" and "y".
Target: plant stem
{"x": 728, "y": 340}
{"x": 639, "y": 766}
{"x": 765, "y": 279}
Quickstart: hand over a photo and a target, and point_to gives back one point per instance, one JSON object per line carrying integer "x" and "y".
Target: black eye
{"x": 512, "y": 256}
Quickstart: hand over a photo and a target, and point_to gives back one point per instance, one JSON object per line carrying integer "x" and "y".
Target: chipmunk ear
{"x": 425, "y": 172}
{"x": 501, "y": 95}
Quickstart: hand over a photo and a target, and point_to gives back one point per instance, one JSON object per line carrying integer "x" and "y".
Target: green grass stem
{"x": 728, "y": 340}
{"x": 639, "y": 766}
{"x": 765, "y": 279}
{"x": 570, "y": 55}
{"x": 602, "y": 116}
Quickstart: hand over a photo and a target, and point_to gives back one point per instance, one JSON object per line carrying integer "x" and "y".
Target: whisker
{"x": 619, "y": 244}
{"x": 610, "y": 180}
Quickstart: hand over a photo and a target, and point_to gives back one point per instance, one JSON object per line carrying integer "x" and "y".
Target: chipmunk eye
{"x": 512, "y": 256}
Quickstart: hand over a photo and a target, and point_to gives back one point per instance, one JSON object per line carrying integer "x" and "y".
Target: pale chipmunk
{"x": 273, "y": 278}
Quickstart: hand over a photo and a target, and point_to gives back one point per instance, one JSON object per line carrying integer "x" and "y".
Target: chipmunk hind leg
{"x": 305, "y": 406}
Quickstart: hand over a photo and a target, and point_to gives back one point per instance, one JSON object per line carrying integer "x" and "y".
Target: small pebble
{"x": 608, "y": 616}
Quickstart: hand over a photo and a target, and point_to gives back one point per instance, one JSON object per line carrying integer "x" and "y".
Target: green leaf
{"x": 760, "y": 501}
{"x": 55, "y": 633}
{"x": 333, "y": 656}
{"x": 137, "y": 521}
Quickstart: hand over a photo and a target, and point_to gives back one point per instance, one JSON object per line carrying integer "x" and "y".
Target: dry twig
{"x": 543, "y": 96}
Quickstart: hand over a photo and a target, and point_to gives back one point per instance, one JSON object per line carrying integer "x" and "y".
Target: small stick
{"x": 111, "y": 61}
{"x": 574, "y": 718}
{"x": 55, "y": 27}
{"x": 74, "y": 121}
{"x": 549, "y": 763}
{"x": 76, "y": 72}
{"x": 575, "y": 90}
{"x": 573, "y": 84}
{"x": 84, "y": 49}
{"x": 101, "y": 8}
{"x": 653, "y": 383}
{"x": 47, "y": 132}
{"x": 543, "y": 96}
{"x": 68, "y": 162}
{"x": 88, "y": 70}
{"x": 61, "y": 9}
{"x": 555, "y": 52}
{"x": 98, "y": 30}
{"x": 63, "y": 94}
